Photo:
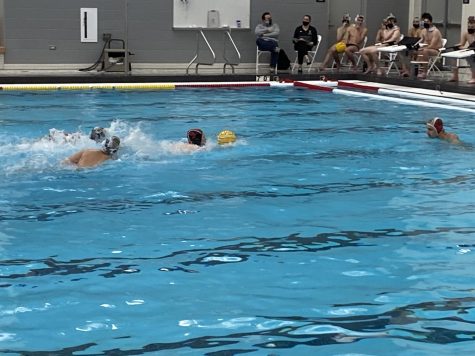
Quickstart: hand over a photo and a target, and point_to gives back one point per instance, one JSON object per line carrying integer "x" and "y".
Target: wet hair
{"x": 196, "y": 137}
{"x": 264, "y": 15}
{"x": 98, "y": 134}
{"x": 426, "y": 16}
{"x": 111, "y": 146}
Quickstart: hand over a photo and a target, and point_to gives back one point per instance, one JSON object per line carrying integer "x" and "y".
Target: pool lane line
{"x": 402, "y": 92}
{"x": 416, "y": 96}
{"x": 312, "y": 86}
{"x": 350, "y": 85}
{"x": 401, "y": 100}
{"x": 222, "y": 85}
{"x": 122, "y": 86}
{"x": 87, "y": 86}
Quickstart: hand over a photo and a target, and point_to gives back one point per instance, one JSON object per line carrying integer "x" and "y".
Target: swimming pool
{"x": 333, "y": 226}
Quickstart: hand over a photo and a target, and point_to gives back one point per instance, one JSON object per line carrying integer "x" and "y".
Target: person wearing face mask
{"x": 267, "y": 34}
{"x": 467, "y": 38}
{"x": 390, "y": 36}
{"x": 415, "y": 30}
{"x": 380, "y": 34}
{"x": 431, "y": 38}
{"x": 356, "y": 35}
{"x": 341, "y": 37}
{"x": 305, "y": 38}
{"x": 410, "y": 54}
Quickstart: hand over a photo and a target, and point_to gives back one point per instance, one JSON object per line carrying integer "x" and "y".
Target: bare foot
{"x": 453, "y": 80}
{"x": 370, "y": 69}
{"x": 471, "y": 81}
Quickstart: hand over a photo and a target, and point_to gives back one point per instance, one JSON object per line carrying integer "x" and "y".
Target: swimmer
{"x": 435, "y": 129}
{"x": 196, "y": 137}
{"x": 98, "y": 134}
{"x": 93, "y": 157}
{"x": 59, "y": 136}
{"x": 225, "y": 137}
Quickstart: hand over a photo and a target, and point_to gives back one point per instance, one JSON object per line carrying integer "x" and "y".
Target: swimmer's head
{"x": 435, "y": 127}
{"x": 111, "y": 145}
{"x": 226, "y": 136}
{"x": 196, "y": 137}
{"x": 98, "y": 134}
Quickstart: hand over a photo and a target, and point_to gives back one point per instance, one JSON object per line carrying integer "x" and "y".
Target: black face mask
{"x": 416, "y": 25}
{"x": 305, "y": 23}
{"x": 269, "y": 22}
{"x": 389, "y": 25}
{"x": 345, "y": 21}
{"x": 471, "y": 30}
{"x": 426, "y": 25}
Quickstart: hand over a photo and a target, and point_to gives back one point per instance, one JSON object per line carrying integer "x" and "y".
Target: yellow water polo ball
{"x": 226, "y": 136}
{"x": 340, "y": 47}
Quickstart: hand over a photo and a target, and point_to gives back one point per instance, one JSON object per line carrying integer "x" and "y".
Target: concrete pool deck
{"x": 51, "y": 76}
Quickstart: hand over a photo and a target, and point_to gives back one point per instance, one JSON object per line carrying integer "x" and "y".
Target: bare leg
{"x": 472, "y": 68}
{"x": 329, "y": 56}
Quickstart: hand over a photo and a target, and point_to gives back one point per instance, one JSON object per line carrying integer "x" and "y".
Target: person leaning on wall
{"x": 467, "y": 38}
{"x": 305, "y": 38}
{"x": 267, "y": 34}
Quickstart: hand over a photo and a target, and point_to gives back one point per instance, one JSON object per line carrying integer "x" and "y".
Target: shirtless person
{"x": 435, "y": 129}
{"x": 391, "y": 35}
{"x": 341, "y": 36}
{"x": 356, "y": 34}
{"x": 432, "y": 39}
{"x": 94, "y": 157}
{"x": 468, "y": 38}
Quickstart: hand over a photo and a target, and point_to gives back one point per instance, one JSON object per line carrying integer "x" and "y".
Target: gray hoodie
{"x": 270, "y": 33}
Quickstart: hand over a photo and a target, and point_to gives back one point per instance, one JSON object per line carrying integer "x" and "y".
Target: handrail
{"x": 228, "y": 37}
{"x": 201, "y": 33}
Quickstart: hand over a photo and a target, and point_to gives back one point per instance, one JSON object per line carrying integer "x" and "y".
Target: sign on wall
{"x": 211, "y": 13}
{"x": 88, "y": 20}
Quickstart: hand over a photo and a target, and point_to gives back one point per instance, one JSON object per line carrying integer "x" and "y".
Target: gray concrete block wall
{"x": 32, "y": 26}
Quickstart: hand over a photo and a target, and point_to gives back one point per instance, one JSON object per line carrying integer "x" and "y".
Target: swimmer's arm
{"x": 455, "y": 139}
{"x": 74, "y": 159}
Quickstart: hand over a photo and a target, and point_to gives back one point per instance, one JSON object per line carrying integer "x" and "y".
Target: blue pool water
{"x": 333, "y": 226}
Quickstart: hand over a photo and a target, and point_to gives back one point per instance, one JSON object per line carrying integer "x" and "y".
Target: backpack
{"x": 283, "y": 62}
